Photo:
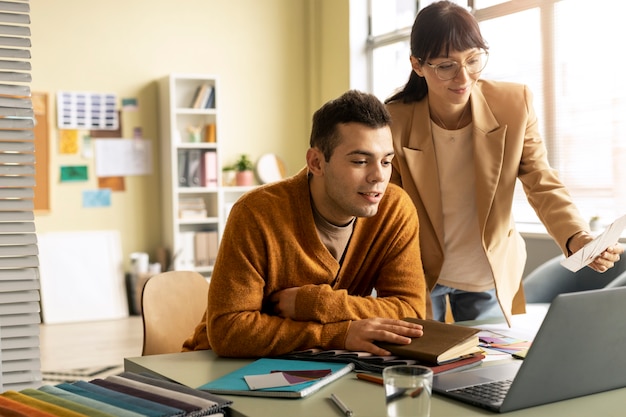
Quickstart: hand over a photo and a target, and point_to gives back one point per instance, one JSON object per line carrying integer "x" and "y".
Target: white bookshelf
{"x": 176, "y": 96}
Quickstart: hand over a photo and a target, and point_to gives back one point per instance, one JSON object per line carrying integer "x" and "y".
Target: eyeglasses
{"x": 447, "y": 70}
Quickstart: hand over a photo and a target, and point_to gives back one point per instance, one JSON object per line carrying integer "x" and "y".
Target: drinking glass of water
{"x": 407, "y": 390}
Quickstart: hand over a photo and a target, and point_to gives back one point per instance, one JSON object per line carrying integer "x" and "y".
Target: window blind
{"x": 19, "y": 271}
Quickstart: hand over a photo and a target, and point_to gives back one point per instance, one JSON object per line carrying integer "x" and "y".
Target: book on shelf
{"x": 441, "y": 342}
{"x": 302, "y": 378}
{"x": 214, "y": 246}
{"x": 192, "y": 208}
{"x": 203, "y": 97}
{"x": 210, "y": 100}
{"x": 199, "y": 96}
{"x": 205, "y": 247}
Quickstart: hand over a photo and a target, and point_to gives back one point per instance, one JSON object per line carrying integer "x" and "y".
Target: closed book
{"x": 213, "y": 246}
{"x": 208, "y": 96}
{"x": 201, "y": 96}
{"x": 441, "y": 342}
{"x": 234, "y": 383}
{"x": 206, "y": 247}
{"x": 210, "y": 102}
{"x": 456, "y": 366}
{"x": 196, "y": 96}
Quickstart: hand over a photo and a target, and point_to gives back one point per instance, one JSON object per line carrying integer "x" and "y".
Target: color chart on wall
{"x": 87, "y": 110}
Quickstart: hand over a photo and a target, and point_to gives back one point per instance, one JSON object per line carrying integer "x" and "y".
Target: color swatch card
{"x": 284, "y": 378}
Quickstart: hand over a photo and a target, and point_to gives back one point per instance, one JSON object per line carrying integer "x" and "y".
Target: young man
{"x": 299, "y": 258}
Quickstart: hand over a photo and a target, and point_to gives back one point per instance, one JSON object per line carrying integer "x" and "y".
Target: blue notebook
{"x": 235, "y": 384}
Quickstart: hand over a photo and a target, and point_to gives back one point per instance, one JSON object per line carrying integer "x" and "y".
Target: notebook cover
{"x": 438, "y": 338}
{"x": 234, "y": 383}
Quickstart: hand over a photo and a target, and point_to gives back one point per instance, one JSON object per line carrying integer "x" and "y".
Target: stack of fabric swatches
{"x": 124, "y": 395}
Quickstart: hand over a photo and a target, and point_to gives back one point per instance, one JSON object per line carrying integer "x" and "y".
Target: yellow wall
{"x": 277, "y": 61}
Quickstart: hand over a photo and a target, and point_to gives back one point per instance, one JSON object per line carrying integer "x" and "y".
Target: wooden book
{"x": 440, "y": 343}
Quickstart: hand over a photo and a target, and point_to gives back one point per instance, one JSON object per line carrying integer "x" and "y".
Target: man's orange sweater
{"x": 270, "y": 243}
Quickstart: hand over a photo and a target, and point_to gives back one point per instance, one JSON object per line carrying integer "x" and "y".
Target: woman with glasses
{"x": 461, "y": 143}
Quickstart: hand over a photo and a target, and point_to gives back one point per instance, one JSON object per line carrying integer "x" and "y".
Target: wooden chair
{"x": 172, "y": 303}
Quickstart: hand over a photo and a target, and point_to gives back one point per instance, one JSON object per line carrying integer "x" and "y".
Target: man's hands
{"x": 284, "y": 302}
{"x": 602, "y": 263}
{"x": 363, "y": 333}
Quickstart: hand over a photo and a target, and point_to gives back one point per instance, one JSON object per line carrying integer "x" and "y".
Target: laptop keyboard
{"x": 493, "y": 392}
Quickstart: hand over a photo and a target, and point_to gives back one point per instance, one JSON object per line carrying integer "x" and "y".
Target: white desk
{"x": 366, "y": 399}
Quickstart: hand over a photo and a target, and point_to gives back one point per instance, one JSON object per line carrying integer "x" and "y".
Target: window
{"x": 388, "y": 43}
{"x": 564, "y": 50}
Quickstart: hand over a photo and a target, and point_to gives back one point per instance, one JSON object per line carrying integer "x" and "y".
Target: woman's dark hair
{"x": 437, "y": 29}
{"x": 351, "y": 107}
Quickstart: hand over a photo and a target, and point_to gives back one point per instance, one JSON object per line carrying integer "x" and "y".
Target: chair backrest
{"x": 551, "y": 279}
{"x": 172, "y": 303}
{"x": 620, "y": 281}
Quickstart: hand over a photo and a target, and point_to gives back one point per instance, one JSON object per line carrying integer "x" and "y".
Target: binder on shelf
{"x": 184, "y": 259}
{"x": 182, "y": 168}
{"x": 208, "y": 176}
{"x": 194, "y": 162}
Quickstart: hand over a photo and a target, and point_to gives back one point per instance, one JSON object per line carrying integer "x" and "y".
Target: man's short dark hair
{"x": 351, "y": 107}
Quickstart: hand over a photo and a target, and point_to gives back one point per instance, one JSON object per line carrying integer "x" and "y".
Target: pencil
{"x": 370, "y": 378}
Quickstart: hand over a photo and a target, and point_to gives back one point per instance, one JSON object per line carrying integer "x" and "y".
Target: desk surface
{"x": 365, "y": 398}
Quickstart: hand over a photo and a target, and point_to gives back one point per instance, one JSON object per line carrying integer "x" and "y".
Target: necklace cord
{"x": 458, "y": 123}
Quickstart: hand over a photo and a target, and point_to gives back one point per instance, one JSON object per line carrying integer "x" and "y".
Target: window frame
{"x": 548, "y": 104}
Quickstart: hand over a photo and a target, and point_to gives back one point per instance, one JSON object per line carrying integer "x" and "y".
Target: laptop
{"x": 578, "y": 350}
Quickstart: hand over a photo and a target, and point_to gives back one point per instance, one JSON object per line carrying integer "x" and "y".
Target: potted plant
{"x": 245, "y": 173}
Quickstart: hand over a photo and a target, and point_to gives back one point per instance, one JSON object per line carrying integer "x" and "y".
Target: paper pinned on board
{"x": 585, "y": 255}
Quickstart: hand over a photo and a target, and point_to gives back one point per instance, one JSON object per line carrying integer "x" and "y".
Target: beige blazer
{"x": 507, "y": 146}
